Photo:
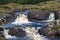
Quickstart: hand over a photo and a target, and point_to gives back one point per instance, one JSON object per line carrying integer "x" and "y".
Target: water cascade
{"x": 52, "y": 17}
{"x": 21, "y": 19}
{"x": 32, "y": 33}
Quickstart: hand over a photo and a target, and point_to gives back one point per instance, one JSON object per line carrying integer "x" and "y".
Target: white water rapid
{"x": 52, "y": 16}
{"x": 22, "y": 18}
{"x": 33, "y": 34}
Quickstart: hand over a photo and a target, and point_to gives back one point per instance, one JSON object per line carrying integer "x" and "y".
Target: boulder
{"x": 16, "y": 31}
{"x": 37, "y": 15}
{"x": 9, "y": 16}
{"x": 47, "y": 31}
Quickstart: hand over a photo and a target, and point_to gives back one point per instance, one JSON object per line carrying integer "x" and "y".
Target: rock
{"x": 54, "y": 38}
{"x": 8, "y": 17}
{"x": 57, "y": 15}
{"x": 1, "y": 29}
{"x": 59, "y": 31}
{"x": 37, "y": 15}
{"x": 1, "y": 22}
{"x": 47, "y": 31}
{"x": 16, "y": 31}
{"x": 2, "y": 36}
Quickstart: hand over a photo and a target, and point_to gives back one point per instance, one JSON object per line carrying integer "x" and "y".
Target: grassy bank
{"x": 48, "y": 5}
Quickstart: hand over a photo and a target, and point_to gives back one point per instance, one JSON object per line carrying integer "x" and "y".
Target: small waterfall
{"x": 51, "y": 20}
{"x": 22, "y": 18}
{"x": 32, "y": 33}
{"x": 52, "y": 16}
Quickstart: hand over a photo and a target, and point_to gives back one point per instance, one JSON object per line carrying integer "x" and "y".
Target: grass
{"x": 4, "y": 9}
{"x": 48, "y": 5}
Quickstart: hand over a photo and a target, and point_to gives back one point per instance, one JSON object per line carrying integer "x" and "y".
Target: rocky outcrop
{"x": 37, "y": 15}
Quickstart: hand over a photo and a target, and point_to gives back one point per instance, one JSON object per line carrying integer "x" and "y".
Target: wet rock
{"x": 48, "y": 31}
{"x": 57, "y": 15}
{"x": 1, "y": 29}
{"x": 8, "y": 17}
{"x": 2, "y": 36}
{"x": 59, "y": 31}
{"x": 16, "y": 31}
{"x": 37, "y": 15}
{"x": 54, "y": 38}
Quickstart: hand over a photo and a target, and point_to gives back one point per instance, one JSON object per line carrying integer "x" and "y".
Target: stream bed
{"x": 31, "y": 28}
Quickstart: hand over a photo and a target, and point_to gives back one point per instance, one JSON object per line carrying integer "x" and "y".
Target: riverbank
{"x": 48, "y": 5}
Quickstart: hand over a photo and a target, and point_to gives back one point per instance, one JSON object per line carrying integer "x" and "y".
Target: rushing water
{"x": 32, "y": 33}
{"x": 52, "y": 16}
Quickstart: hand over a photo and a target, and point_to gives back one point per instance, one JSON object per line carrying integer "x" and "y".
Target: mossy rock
{"x": 56, "y": 27}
